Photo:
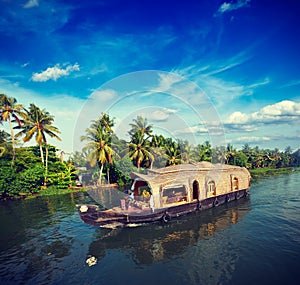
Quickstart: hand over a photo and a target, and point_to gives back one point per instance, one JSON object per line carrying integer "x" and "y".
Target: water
{"x": 251, "y": 241}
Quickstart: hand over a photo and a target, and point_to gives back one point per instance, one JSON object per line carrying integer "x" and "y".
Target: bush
{"x": 29, "y": 181}
{"x": 120, "y": 171}
{"x": 14, "y": 183}
{"x": 7, "y": 178}
{"x": 61, "y": 175}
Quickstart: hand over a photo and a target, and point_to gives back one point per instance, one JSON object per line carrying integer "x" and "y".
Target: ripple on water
{"x": 256, "y": 242}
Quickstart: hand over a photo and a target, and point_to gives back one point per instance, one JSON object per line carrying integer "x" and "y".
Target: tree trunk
{"x": 12, "y": 140}
{"x": 42, "y": 154}
{"x": 108, "y": 179}
{"x": 46, "y": 167}
{"x": 100, "y": 177}
{"x": 43, "y": 162}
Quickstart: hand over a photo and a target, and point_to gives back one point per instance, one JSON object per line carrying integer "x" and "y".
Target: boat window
{"x": 174, "y": 194}
{"x": 234, "y": 183}
{"x": 144, "y": 191}
{"x": 211, "y": 187}
{"x": 141, "y": 188}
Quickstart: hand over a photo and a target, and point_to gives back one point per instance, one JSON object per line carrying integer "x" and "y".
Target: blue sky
{"x": 224, "y": 71}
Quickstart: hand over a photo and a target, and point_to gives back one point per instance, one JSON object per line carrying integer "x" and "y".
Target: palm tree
{"x": 139, "y": 153}
{"x": 99, "y": 141}
{"x": 219, "y": 154}
{"x": 187, "y": 151}
{"x": 140, "y": 146}
{"x": 106, "y": 123}
{"x": 277, "y": 158}
{"x": 157, "y": 149}
{"x": 157, "y": 141}
{"x": 230, "y": 154}
{"x": 250, "y": 154}
{"x": 173, "y": 154}
{"x": 10, "y": 109}
{"x": 39, "y": 123}
{"x": 204, "y": 151}
{"x": 140, "y": 128}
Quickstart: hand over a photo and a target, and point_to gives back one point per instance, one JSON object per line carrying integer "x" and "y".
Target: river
{"x": 255, "y": 240}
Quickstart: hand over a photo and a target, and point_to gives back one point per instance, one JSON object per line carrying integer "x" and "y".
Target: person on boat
{"x": 130, "y": 199}
{"x": 151, "y": 202}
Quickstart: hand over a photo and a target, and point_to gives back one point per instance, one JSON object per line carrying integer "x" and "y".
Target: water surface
{"x": 250, "y": 241}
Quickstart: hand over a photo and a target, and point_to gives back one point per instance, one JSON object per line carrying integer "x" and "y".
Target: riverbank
{"x": 256, "y": 174}
{"x": 54, "y": 191}
{"x": 260, "y": 173}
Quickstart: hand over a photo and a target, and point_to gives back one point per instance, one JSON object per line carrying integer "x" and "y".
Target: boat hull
{"x": 90, "y": 214}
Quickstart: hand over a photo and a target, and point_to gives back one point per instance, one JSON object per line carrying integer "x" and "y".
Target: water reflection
{"x": 155, "y": 242}
{"x": 36, "y": 236}
{"x": 43, "y": 241}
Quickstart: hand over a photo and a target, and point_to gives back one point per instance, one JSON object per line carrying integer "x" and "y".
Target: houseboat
{"x": 165, "y": 193}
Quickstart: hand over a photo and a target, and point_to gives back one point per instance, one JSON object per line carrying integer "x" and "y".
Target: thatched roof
{"x": 177, "y": 174}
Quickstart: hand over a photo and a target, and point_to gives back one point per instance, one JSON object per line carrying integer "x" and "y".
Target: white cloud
{"x": 278, "y": 113}
{"x": 209, "y": 79}
{"x": 103, "y": 95}
{"x": 251, "y": 139}
{"x": 210, "y": 126}
{"x": 240, "y": 128}
{"x": 226, "y": 7}
{"x": 192, "y": 130}
{"x": 25, "y": 64}
{"x": 237, "y": 118}
{"x": 167, "y": 81}
{"x": 54, "y": 73}
{"x": 283, "y": 108}
{"x": 31, "y": 4}
{"x": 161, "y": 115}
{"x": 98, "y": 69}
{"x": 182, "y": 88}
{"x": 272, "y": 123}
{"x": 291, "y": 83}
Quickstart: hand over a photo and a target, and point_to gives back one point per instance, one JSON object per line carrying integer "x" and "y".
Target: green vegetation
{"x": 260, "y": 173}
{"x": 26, "y": 176}
{"x": 98, "y": 148}
{"x": 10, "y": 111}
{"x": 39, "y": 123}
{"x": 139, "y": 146}
{"x": 52, "y": 190}
{"x": 41, "y": 169}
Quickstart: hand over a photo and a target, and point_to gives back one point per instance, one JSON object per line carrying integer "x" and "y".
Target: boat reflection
{"x": 154, "y": 242}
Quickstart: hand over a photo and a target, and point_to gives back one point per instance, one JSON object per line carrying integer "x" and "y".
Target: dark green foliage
{"x": 140, "y": 149}
{"x": 25, "y": 176}
{"x": 61, "y": 175}
{"x": 7, "y": 177}
{"x": 25, "y": 158}
{"x": 17, "y": 183}
{"x": 52, "y": 157}
{"x": 120, "y": 171}
{"x": 28, "y": 181}
{"x": 173, "y": 153}
{"x": 240, "y": 159}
